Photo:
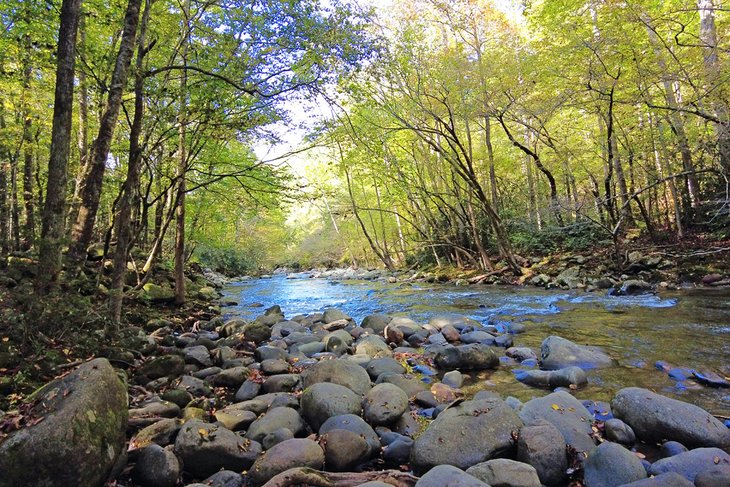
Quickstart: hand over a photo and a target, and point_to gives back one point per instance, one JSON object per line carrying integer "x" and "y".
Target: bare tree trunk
{"x": 52, "y": 223}
{"x": 93, "y": 177}
{"x": 83, "y": 140}
{"x": 14, "y": 203}
{"x": 130, "y": 189}
{"x": 179, "y": 271}
{"x": 490, "y": 158}
{"x": 4, "y": 169}
{"x": 675, "y": 118}
{"x": 713, "y": 67}
{"x": 618, "y": 168}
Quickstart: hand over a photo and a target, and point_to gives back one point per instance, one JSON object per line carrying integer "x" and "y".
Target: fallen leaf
{"x": 555, "y": 407}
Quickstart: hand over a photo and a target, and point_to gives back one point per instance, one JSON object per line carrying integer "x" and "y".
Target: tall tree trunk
{"x": 130, "y": 189}
{"x": 93, "y": 176}
{"x": 618, "y": 169}
{"x": 83, "y": 140}
{"x": 490, "y": 159}
{"x": 14, "y": 203}
{"x": 179, "y": 271}
{"x": 52, "y": 223}
{"x": 28, "y": 141}
{"x": 713, "y": 75}
{"x": 4, "y": 173}
{"x": 675, "y": 118}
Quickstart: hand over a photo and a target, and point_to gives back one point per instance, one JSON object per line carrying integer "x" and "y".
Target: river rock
{"x": 632, "y": 287}
{"x": 162, "y": 433}
{"x": 283, "y": 383}
{"x": 502, "y": 472}
{"x": 550, "y": 379}
{"x": 342, "y": 372}
{"x": 384, "y": 404}
{"x": 157, "y": 467}
{"x": 670, "y": 479}
{"x": 611, "y": 465}
{"x": 206, "y": 448}
{"x": 357, "y": 425}
{"x": 297, "y": 452}
{"x": 376, "y": 322}
{"x": 448, "y": 476}
{"x": 373, "y": 346}
{"x": 275, "y": 418}
{"x": 198, "y": 355}
{"x": 84, "y": 418}
{"x": 542, "y": 445}
{"x": 233, "y": 377}
{"x": 566, "y": 413}
{"x": 248, "y": 390}
{"x": 691, "y": 463}
{"x": 235, "y": 419}
{"x": 384, "y": 365}
{"x": 558, "y": 353}
{"x": 717, "y": 476}
{"x": 165, "y": 366}
{"x": 333, "y": 314}
{"x": 225, "y": 478}
{"x": 344, "y": 450}
{"x": 521, "y": 353}
{"x": 321, "y": 401}
{"x": 410, "y": 385}
{"x": 620, "y": 432}
{"x": 257, "y": 332}
{"x": 655, "y": 418}
{"x": 466, "y": 434}
{"x": 398, "y": 451}
{"x": 474, "y": 356}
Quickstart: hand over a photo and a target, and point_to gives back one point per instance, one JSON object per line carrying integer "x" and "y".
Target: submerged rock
{"x": 559, "y": 353}
{"x": 79, "y": 433}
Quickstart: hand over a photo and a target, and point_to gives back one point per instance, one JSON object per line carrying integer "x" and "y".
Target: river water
{"x": 689, "y": 329}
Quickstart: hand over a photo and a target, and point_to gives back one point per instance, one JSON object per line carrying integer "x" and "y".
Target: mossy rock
{"x": 80, "y": 436}
{"x": 207, "y": 293}
{"x": 157, "y": 294}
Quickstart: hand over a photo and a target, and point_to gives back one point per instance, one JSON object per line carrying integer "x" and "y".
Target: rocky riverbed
{"x": 319, "y": 399}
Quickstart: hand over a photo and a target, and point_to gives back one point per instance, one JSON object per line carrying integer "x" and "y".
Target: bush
{"x": 228, "y": 261}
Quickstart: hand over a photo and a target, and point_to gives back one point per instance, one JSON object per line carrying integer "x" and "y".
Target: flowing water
{"x": 688, "y": 329}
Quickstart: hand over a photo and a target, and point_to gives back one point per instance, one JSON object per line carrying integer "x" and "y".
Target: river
{"x": 689, "y": 329}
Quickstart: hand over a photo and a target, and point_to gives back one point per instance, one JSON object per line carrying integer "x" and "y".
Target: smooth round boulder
{"x": 654, "y": 418}
{"x": 611, "y": 465}
{"x": 322, "y": 401}
{"x": 342, "y": 372}
{"x": 376, "y": 322}
{"x": 502, "y": 472}
{"x": 157, "y": 467}
{"x": 357, "y": 425}
{"x": 384, "y": 365}
{"x": 619, "y": 432}
{"x": 542, "y": 445}
{"x": 670, "y": 479}
{"x": 274, "y": 419}
{"x": 558, "y": 353}
{"x": 82, "y": 421}
{"x": 373, "y": 346}
{"x": 384, "y": 404}
{"x": 474, "y": 356}
{"x": 717, "y": 476}
{"x": 550, "y": 379}
{"x": 297, "y": 452}
{"x": 691, "y": 463}
{"x": 344, "y": 450}
{"x": 205, "y": 448}
{"x": 466, "y": 434}
{"x": 448, "y": 476}
{"x": 567, "y": 414}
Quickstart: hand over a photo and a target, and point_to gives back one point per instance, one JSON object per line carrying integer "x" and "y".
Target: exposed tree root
{"x": 316, "y": 478}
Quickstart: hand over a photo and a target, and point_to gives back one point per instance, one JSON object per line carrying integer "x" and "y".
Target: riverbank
{"x": 241, "y": 402}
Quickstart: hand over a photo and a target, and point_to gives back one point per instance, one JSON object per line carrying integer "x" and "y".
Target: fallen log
{"x": 317, "y": 478}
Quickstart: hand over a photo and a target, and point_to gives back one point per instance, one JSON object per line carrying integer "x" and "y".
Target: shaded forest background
{"x": 469, "y": 133}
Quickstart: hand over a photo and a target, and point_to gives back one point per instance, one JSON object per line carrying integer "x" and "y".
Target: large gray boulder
{"x": 322, "y": 401}
{"x": 205, "y": 448}
{"x": 502, "y": 472}
{"x": 355, "y": 424}
{"x": 297, "y": 452}
{"x": 566, "y": 413}
{"x": 474, "y": 356}
{"x": 467, "y": 434}
{"x": 343, "y": 372}
{"x": 671, "y": 479}
{"x": 558, "y": 353}
{"x": 275, "y": 419}
{"x": 83, "y": 419}
{"x": 654, "y": 417}
{"x": 449, "y": 476}
{"x": 542, "y": 445}
{"x": 691, "y": 463}
{"x": 384, "y": 404}
{"x": 611, "y": 465}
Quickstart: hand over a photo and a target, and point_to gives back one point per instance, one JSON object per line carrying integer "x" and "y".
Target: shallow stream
{"x": 688, "y": 329}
